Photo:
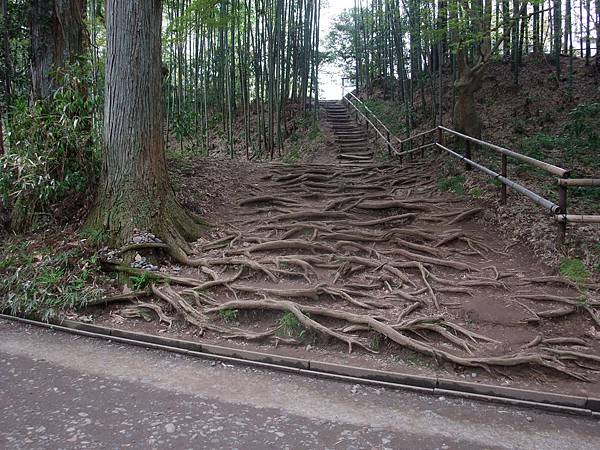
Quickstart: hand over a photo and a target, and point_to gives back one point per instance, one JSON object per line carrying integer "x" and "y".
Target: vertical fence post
{"x": 440, "y": 136}
{"x": 389, "y": 143}
{"x": 422, "y": 145}
{"x": 504, "y": 174}
{"x": 562, "y": 202}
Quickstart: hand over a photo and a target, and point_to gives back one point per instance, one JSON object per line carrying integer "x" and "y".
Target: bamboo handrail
{"x": 371, "y": 123}
{"x": 555, "y": 170}
{"x": 410, "y": 138}
{"x": 579, "y": 181}
{"x": 370, "y": 112}
{"x": 580, "y": 218}
{"x": 414, "y": 150}
{"x": 558, "y": 210}
{"x": 550, "y": 206}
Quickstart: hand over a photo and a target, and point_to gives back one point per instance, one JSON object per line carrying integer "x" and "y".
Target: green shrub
{"x": 42, "y": 283}
{"x": 53, "y": 148}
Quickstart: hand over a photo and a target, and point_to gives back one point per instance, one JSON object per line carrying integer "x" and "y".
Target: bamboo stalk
{"x": 579, "y": 181}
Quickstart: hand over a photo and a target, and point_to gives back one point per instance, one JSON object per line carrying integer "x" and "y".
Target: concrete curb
{"x": 587, "y": 406}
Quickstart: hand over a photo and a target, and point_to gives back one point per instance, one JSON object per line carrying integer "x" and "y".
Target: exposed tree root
{"x": 275, "y": 200}
{"x": 323, "y": 242}
{"x": 391, "y": 332}
{"x": 574, "y": 303}
{"x": 295, "y": 244}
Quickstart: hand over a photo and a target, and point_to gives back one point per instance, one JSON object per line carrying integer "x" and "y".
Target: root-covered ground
{"x": 369, "y": 258}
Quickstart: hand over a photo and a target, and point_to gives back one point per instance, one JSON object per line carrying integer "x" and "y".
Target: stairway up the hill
{"x": 352, "y": 141}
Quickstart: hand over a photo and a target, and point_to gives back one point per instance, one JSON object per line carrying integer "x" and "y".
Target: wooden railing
{"x": 435, "y": 138}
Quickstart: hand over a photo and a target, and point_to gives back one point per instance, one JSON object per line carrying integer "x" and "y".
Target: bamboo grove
{"x": 222, "y": 61}
{"x": 244, "y": 58}
{"x": 405, "y": 45}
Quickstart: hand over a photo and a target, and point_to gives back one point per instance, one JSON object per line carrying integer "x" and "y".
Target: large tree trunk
{"x": 58, "y": 35}
{"x": 466, "y": 119}
{"x": 135, "y": 192}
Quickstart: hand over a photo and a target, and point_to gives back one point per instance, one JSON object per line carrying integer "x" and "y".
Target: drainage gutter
{"x": 549, "y": 401}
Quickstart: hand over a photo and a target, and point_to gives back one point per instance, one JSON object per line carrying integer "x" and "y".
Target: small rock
{"x": 441, "y": 398}
{"x": 308, "y": 347}
{"x": 138, "y": 257}
{"x": 529, "y": 419}
{"x": 170, "y": 428}
{"x": 474, "y": 375}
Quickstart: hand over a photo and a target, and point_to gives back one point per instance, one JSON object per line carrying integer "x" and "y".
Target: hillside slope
{"x": 550, "y": 120}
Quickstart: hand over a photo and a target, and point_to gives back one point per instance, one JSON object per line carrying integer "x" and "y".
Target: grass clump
{"x": 574, "y": 270}
{"x": 229, "y": 315}
{"x": 476, "y": 192}
{"x": 376, "y": 342}
{"x": 292, "y": 156}
{"x": 454, "y": 184}
{"x": 141, "y": 282}
{"x": 290, "y": 326}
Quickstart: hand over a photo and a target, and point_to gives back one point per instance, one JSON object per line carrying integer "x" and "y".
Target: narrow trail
{"x": 349, "y": 136}
{"x": 375, "y": 257}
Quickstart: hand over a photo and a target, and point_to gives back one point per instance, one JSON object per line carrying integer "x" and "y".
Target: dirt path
{"x": 352, "y": 143}
{"x": 358, "y": 255}
{"x": 60, "y": 391}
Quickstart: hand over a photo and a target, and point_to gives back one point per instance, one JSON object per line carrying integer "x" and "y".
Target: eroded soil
{"x": 319, "y": 259}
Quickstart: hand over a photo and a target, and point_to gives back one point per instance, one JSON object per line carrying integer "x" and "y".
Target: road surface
{"x": 62, "y": 391}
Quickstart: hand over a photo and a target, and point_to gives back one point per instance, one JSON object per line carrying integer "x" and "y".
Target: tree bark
{"x": 8, "y": 66}
{"x": 58, "y": 34}
{"x": 2, "y": 151}
{"x": 135, "y": 193}
{"x": 466, "y": 119}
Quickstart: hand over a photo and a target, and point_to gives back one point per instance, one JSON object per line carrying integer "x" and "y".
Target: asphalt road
{"x": 63, "y": 391}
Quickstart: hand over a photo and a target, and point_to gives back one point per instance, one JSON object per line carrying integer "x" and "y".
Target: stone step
{"x": 354, "y": 145}
{"x": 355, "y": 157}
{"x": 350, "y": 138}
{"x": 351, "y": 133}
{"x": 360, "y": 153}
